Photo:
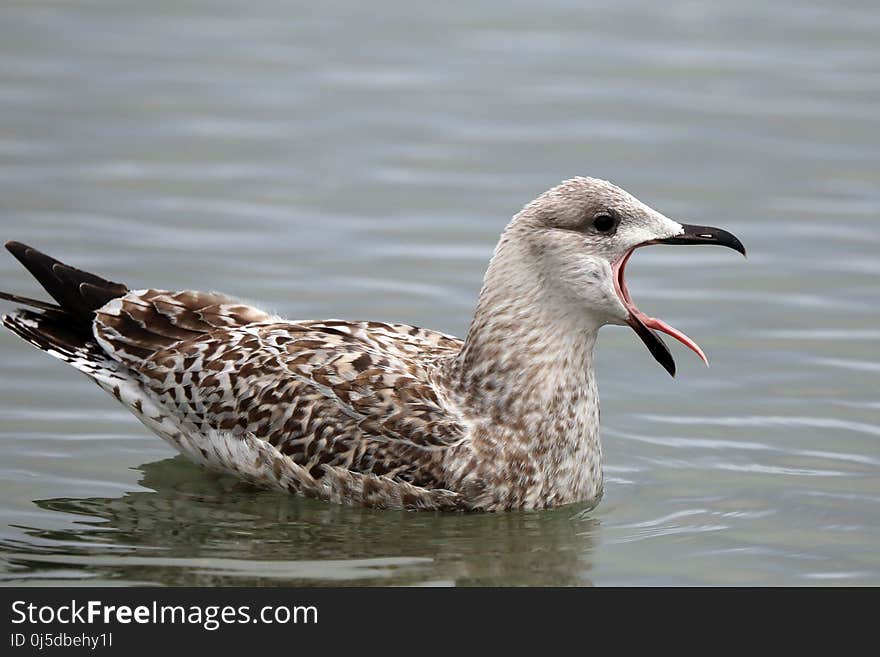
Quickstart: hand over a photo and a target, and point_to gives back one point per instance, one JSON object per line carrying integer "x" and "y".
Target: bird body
{"x": 378, "y": 414}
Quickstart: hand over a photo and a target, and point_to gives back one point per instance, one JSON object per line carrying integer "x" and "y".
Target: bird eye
{"x": 604, "y": 222}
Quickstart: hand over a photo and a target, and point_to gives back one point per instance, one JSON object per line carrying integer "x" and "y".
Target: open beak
{"x": 646, "y": 326}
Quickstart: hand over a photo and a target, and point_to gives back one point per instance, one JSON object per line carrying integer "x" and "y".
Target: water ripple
{"x": 769, "y": 421}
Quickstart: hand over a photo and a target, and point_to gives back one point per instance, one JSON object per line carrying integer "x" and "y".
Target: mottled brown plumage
{"x": 369, "y": 413}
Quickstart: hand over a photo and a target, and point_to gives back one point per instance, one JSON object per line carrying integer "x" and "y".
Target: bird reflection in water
{"x": 193, "y": 530}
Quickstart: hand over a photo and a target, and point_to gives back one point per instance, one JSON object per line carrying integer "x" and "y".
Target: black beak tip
{"x": 667, "y": 363}
{"x": 655, "y": 345}
{"x": 707, "y": 235}
{"x": 736, "y": 245}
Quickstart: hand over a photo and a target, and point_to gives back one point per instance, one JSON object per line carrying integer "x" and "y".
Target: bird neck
{"x": 529, "y": 349}
{"x": 524, "y": 380}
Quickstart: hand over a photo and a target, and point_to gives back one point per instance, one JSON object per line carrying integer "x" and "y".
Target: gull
{"x": 380, "y": 414}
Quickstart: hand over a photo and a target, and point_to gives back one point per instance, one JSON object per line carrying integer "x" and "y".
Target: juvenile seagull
{"x": 375, "y": 414}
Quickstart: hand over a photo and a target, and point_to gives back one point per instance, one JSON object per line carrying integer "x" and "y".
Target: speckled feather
{"x": 351, "y": 402}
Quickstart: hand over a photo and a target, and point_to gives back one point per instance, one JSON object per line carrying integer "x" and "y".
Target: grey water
{"x": 359, "y": 160}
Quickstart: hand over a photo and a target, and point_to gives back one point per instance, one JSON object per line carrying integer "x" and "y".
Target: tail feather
{"x": 27, "y": 301}
{"x": 77, "y": 292}
{"x": 63, "y": 330}
{"x": 52, "y": 334}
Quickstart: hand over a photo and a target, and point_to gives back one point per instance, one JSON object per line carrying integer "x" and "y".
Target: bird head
{"x": 580, "y": 236}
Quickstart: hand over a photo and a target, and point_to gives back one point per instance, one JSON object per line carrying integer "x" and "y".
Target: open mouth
{"x": 645, "y": 325}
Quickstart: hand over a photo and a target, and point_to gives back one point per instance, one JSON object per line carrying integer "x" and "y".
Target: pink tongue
{"x": 660, "y": 325}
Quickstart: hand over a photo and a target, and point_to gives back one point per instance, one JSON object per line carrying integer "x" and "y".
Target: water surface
{"x": 359, "y": 160}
